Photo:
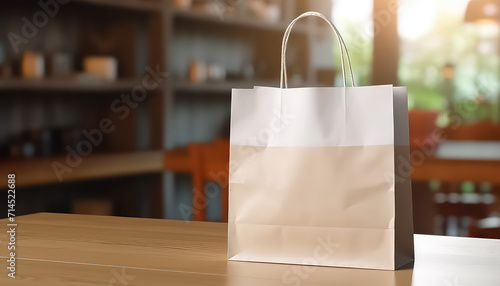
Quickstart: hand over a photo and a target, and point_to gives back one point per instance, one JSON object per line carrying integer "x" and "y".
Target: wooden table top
{"x": 66, "y": 249}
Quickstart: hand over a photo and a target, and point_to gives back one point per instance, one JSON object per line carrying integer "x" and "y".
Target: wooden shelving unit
{"x": 142, "y": 5}
{"x": 156, "y": 34}
{"x": 128, "y": 30}
{"x": 236, "y": 22}
{"x": 68, "y": 85}
{"x": 185, "y": 28}
{"x": 34, "y": 172}
{"x": 218, "y": 86}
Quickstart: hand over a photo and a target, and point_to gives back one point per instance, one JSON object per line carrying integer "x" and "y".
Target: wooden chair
{"x": 209, "y": 163}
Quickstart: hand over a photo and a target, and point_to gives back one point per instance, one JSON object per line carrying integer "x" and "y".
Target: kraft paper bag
{"x": 319, "y": 176}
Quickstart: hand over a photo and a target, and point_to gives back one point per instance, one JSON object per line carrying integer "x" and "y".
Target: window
{"x": 445, "y": 61}
{"x": 354, "y": 20}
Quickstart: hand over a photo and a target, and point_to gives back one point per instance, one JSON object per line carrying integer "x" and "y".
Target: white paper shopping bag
{"x": 314, "y": 174}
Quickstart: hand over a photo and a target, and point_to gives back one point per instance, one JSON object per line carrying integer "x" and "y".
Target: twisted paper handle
{"x": 283, "y": 75}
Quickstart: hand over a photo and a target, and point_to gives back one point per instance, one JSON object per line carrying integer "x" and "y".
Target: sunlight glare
{"x": 416, "y": 19}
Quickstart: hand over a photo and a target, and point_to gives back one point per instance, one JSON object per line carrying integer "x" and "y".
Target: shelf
{"x": 222, "y": 86}
{"x": 143, "y": 5}
{"x": 67, "y": 85}
{"x": 96, "y": 166}
{"x": 226, "y": 86}
{"x": 241, "y": 22}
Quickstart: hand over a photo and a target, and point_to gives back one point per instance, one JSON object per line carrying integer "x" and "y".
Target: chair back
{"x": 209, "y": 162}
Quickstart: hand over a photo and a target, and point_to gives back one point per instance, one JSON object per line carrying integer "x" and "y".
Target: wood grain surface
{"x": 64, "y": 249}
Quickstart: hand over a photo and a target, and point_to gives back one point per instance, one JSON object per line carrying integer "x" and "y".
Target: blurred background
{"x": 122, "y": 107}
